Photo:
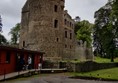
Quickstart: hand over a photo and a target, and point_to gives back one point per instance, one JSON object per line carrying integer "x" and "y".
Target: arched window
{"x": 8, "y": 57}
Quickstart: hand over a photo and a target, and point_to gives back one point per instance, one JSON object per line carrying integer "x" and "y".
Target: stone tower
{"x": 42, "y": 28}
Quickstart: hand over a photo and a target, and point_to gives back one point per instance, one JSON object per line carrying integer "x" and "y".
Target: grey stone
{"x": 39, "y": 33}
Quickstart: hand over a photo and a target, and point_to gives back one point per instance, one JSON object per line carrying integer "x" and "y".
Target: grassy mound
{"x": 107, "y": 74}
{"x": 104, "y": 60}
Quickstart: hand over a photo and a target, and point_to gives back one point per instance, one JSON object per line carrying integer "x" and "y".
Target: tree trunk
{"x": 112, "y": 57}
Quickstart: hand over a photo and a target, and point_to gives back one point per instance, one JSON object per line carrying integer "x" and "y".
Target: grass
{"x": 96, "y": 59}
{"x": 111, "y": 74}
{"x": 104, "y": 60}
{"x": 101, "y": 60}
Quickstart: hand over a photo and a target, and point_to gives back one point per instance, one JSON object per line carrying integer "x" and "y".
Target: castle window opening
{"x": 23, "y": 43}
{"x": 66, "y": 34}
{"x": 65, "y": 46}
{"x": 70, "y": 24}
{"x": 65, "y": 21}
{"x": 70, "y": 35}
{"x": 55, "y": 8}
{"x": 62, "y": 8}
{"x": 8, "y": 57}
{"x": 56, "y": 23}
{"x": 70, "y": 46}
{"x": 57, "y": 39}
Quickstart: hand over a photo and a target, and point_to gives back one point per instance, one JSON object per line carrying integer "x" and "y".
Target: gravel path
{"x": 57, "y": 78}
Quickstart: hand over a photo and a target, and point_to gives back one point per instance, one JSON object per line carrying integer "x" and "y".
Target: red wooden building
{"x": 11, "y": 59}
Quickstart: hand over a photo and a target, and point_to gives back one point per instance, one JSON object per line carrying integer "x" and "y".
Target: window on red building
{"x": 8, "y": 56}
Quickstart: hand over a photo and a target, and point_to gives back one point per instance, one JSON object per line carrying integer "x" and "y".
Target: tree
{"x": 3, "y": 40}
{"x": 83, "y": 31}
{"x": 105, "y": 30}
{"x": 15, "y": 32}
{"x": 0, "y": 24}
{"x": 114, "y": 25}
{"x": 101, "y": 30}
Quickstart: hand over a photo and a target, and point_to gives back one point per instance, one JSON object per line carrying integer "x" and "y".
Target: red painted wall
{"x": 11, "y": 67}
{"x": 37, "y": 61}
{"x": 2, "y": 62}
{"x": 7, "y": 67}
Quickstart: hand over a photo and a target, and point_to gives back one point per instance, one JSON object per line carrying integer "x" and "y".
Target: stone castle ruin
{"x": 82, "y": 52}
{"x": 47, "y": 27}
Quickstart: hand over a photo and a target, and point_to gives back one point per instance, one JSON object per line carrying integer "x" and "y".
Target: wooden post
{"x": 4, "y": 74}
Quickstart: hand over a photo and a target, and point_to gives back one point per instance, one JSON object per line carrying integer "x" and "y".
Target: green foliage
{"x": 106, "y": 31}
{"x": 115, "y": 8}
{"x": 15, "y": 32}
{"x": 104, "y": 60}
{"x": 3, "y": 40}
{"x": 101, "y": 60}
{"x": 103, "y": 74}
{"x": 83, "y": 31}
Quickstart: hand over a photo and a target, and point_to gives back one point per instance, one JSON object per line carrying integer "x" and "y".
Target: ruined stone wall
{"x": 82, "y": 52}
{"x": 43, "y": 29}
{"x": 69, "y": 37}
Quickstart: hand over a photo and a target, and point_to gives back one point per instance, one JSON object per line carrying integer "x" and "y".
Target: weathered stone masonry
{"x": 45, "y": 26}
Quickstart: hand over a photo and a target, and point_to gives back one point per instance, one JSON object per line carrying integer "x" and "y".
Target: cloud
{"x": 10, "y": 10}
{"x": 84, "y": 8}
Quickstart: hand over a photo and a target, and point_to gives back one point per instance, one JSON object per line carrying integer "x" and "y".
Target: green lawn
{"x": 104, "y": 74}
{"x": 104, "y": 60}
{"x": 96, "y": 59}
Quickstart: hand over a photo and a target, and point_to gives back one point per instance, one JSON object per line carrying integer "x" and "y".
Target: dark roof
{"x": 19, "y": 50}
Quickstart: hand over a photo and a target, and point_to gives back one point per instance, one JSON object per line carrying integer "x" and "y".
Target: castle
{"x": 47, "y": 27}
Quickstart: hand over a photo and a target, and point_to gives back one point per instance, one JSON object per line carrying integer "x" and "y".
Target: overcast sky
{"x": 10, "y": 11}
